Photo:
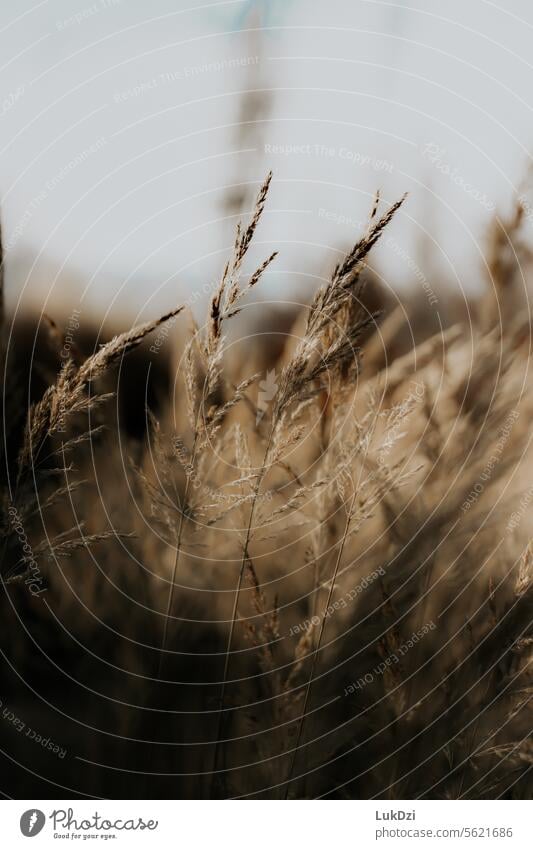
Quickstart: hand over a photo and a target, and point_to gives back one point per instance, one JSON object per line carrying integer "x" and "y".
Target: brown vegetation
{"x": 310, "y": 581}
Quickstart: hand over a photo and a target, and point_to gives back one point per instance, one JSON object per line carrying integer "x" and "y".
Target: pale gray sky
{"x": 119, "y": 137}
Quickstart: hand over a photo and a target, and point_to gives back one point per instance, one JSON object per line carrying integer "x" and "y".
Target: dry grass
{"x": 321, "y": 594}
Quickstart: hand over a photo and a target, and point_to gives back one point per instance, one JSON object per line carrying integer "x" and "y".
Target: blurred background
{"x": 134, "y": 136}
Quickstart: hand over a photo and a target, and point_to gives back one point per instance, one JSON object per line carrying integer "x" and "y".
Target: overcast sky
{"x": 120, "y": 138}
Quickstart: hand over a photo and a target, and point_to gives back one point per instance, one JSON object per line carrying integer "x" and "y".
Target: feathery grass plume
{"x": 48, "y": 417}
{"x": 312, "y": 358}
{"x": 208, "y": 409}
{"x": 435, "y": 549}
{"x": 224, "y": 303}
{"x": 509, "y": 252}
{"x": 365, "y": 483}
{"x": 321, "y": 351}
{"x": 68, "y": 395}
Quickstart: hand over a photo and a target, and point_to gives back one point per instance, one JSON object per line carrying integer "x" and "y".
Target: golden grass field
{"x": 296, "y": 566}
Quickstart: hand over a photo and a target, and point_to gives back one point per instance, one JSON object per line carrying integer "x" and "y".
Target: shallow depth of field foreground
{"x": 283, "y": 556}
